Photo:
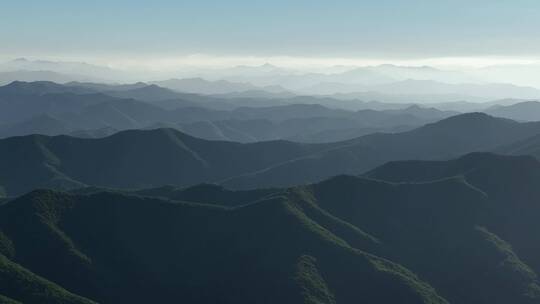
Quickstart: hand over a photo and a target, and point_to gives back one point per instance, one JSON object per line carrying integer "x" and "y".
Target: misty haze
{"x": 254, "y": 152}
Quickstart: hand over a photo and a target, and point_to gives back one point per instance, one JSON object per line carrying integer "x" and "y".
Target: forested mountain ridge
{"x": 341, "y": 240}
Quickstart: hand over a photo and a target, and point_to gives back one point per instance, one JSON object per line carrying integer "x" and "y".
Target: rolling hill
{"x": 445, "y": 139}
{"x": 137, "y": 159}
{"x": 133, "y": 159}
{"x": 523, "y": 111}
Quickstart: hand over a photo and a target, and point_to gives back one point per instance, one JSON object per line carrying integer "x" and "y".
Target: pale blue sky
{"x": 381, "y": 29}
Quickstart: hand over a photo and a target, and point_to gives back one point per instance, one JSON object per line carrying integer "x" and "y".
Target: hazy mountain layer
{"x": 445, "y": 139}
{"x": 80, "y": 108}
{"x": 522, "y": 111}
{"x": 135, "y": 159}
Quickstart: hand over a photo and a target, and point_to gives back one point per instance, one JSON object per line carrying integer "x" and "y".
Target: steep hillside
{"x": 344, "y": 240}
{"x": 511, "y": 183}
{"x": 444, "y": 231}
{"x": 200, "y": 254}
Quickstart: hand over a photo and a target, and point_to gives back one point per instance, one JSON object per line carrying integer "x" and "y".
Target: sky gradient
{"x": 381, "y": 29}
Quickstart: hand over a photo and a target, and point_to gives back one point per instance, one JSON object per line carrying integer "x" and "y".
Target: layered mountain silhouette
{"x": 386, "y": 82}
{"x": 7, "y": 77}
{"x": 135, "y": 159}
{"x": 523, "y": 111}
{"x": 75, "y": 108}
{"x": 447, "y": 138}
{"x": 202, "y": 86}
{"x": 162, "y": 192}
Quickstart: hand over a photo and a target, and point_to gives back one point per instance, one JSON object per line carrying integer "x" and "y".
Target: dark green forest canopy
{"x": 344, "y": 240}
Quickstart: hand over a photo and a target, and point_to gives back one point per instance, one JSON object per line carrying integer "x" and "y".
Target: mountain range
{"x": 78, "y": 108}
{"x": 521, "y": 111}
{"x": 447, "y": 233}
{"x": 444, "y": 139}
{"x": 202, "y": 86}
{"x": 385, "y": 83}
{"x": 224, "y": 191}
{"x": 137, "y": 158}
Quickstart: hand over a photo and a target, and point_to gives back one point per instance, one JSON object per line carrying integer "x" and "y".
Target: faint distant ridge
{"x": 83, "y": 107}
{"x": 426, "y": 91}
{"x": 21, "y": 88}
{"x": 202, "y": 86}
{"x": 386, "y": 82}
{"x": 67, "y": 67}
{"x": 523, "y": 111}
{"x": 106, "y": 86}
